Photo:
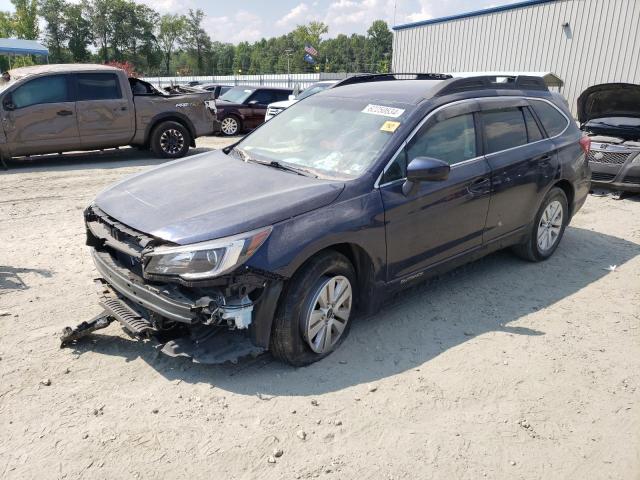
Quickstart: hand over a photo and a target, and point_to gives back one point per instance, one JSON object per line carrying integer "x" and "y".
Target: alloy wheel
{"x": 328, "y": 314}
{"x": 172, "y": 141}
{"x": 229, "y": 126}
{"x": 550, "y": 226}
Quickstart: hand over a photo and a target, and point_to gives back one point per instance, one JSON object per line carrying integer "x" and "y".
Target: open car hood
{"x": 609, "y": 100}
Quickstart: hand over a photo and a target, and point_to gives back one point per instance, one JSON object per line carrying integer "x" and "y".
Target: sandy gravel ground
{"x": 501, "y": 369}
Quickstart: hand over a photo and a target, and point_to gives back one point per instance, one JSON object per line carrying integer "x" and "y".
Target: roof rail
{"x": 378, "y": 77}
{"x": 483, "y": 82}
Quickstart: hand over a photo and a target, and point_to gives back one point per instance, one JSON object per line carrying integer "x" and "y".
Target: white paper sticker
{"x": 383, "y": 111}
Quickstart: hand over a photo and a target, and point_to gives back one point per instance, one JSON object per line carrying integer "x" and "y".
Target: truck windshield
{"x": 331, "y": 136}
{"x": 237, "y": 95}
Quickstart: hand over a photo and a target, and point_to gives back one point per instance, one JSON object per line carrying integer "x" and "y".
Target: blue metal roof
{"x": 18, "y": 46}
{"x": 475, "y": 13}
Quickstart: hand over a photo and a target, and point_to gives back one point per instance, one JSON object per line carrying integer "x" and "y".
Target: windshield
{"x": 330, "y": 136}
{"x": 313, "y": 89}
{"x": 237, "y": 95}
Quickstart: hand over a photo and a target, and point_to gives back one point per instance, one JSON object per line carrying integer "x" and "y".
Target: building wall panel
{"x": 601, "y": 44}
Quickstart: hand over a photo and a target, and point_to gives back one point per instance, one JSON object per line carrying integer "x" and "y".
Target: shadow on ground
{"x": 416, "y": 326}
{"x": 10, "y": 278}
{"x": 107, "y": 159}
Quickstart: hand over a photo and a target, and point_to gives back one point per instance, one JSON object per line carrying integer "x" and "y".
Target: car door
{"x": 522, "y": 161}
{"x": 104, "y": 119}
{"x": 442, "y": 219}
{"x": 258, "y": 103}
{"x": 39, "y": 116}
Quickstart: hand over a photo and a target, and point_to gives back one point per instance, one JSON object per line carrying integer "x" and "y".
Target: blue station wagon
{"x": 278, "y": 241}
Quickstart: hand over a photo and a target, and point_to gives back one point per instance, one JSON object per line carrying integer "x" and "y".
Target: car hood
{"x": 210, "y": 196}
{"x": 283, "y": 104}
{"x": 226, "y": 104}
{"x": 609, "y": 100}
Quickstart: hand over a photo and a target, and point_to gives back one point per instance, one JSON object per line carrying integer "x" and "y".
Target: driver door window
{"x": 53, "y": 89}
{"x": 452, "y": 140}
{"x": 262, "y": 97}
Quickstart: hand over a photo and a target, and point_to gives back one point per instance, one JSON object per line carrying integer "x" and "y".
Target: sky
{"x": 251, "y": 20}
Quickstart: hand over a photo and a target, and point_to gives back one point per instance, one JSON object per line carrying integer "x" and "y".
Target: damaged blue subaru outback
{"x": 278, "y": 241}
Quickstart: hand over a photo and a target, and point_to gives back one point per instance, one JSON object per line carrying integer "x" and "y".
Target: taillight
{"x": 585, "y": 143}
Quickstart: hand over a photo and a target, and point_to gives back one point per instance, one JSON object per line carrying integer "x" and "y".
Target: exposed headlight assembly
{"x": 207, "y": 259}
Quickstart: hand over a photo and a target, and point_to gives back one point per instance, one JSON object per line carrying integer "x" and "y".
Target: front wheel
{"x": 170, "y": 140}
{"x": 313, "y": 316}
{"x": 548, "y": 228}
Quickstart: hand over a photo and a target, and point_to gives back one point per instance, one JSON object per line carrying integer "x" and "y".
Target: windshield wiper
{"x": 245, "y": 157}
{"x": 288, "y": 168}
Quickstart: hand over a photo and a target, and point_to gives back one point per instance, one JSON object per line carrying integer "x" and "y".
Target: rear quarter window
{"x": 552, "y": 120}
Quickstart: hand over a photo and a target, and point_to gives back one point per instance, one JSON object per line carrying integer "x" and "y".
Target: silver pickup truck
{"x": 67, "y": 107}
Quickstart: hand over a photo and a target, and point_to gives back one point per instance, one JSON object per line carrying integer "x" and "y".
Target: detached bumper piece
{"x": 115, "y": 307}
{"x": 212, "y": 346}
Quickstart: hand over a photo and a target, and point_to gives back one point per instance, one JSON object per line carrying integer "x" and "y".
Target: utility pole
{"x": 288, "y": 52}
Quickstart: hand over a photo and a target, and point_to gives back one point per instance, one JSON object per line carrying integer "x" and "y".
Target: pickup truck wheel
{"x": 312, "y": 319}
{"x": 230, "y": 126}
{"x": 547, "y": 229}
{"x": 170, "y": 140}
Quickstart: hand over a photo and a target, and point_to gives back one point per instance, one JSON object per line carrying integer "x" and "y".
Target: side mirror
{"x": 424, "y": 169}
{"x": 292, "y": 98}
{"x": 8, "y": 104}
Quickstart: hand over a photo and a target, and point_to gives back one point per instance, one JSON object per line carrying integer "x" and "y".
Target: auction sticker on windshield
{"x": 389, "y": 126}
{"x": 384, "y": 111}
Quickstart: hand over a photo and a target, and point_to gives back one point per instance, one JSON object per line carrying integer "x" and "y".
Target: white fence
{"x": 288, "y": 81}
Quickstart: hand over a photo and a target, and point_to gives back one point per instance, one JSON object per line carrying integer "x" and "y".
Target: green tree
{"x": 52, "y": 12}
{"x": 170, "y": 30}
{"x": 380, "y": 43}
{"x": 26, "y": 19}
{"x": 196, "y": 39}
{"x": 6, "y": 25}
{"x": 77, "y": 30}
{"x": 99, "y": 17}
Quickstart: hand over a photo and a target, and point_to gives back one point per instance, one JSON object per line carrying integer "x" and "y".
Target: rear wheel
{"x": 548, "y": 228}
{"x": 230, "y": 126}
{"x": 170, "y": 140}
{"x": 313, "y": 316}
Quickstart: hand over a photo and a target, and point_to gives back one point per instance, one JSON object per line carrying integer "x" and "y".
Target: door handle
{"x": 65, "y": 113}
{"x": 123, "y": 109}
{"x": 479, "y": 186}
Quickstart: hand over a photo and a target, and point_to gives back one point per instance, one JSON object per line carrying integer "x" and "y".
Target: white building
{"x": 584, "y": 42}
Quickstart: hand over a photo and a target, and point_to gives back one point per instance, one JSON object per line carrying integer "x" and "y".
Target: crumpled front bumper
{"x": 163, "y": 301}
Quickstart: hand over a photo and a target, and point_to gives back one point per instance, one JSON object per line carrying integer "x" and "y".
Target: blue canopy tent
{"x": 17, "y": 46}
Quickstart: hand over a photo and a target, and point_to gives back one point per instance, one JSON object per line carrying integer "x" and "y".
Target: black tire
{"x": 530, "y": 250}
{"x": 232, "y": 120}
{"x": 287, "y": 338}
{"x": 170, "y": 140}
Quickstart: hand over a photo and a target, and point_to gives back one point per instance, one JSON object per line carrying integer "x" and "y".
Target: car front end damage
{"x": 195, "y": 300}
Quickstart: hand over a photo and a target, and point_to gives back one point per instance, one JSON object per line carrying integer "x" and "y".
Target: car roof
{"x": 404, "y": 91}
{"x": 22, "y": 72}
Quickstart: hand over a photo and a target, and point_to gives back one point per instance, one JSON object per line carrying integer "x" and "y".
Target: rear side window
{"x": 552, "y": 120}
{"x": 98, "y": 86}
{"x": 52, "y": 89}
{"x": 504, "y": 129}
{"x": 533, "y": 130}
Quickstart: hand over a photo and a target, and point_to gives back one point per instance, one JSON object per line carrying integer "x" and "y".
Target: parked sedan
{"x": 244, "y": 108}
{"x": 281, "y": 239}
{"x": 610, "y": 115}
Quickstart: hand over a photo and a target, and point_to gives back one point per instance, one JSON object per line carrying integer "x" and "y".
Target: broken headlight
{"x": 206, "y": 259}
